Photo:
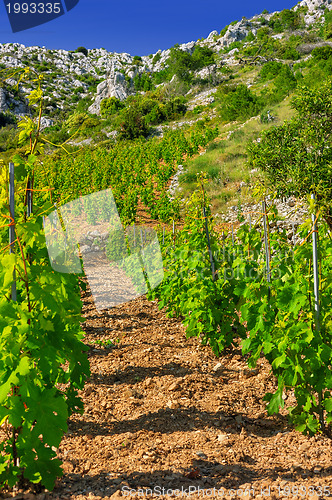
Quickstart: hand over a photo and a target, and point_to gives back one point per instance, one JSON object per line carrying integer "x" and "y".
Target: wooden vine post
{"x": 12, "y": 223}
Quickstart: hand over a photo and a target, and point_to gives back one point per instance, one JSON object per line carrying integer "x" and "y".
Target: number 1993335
{"x": 33, "y": 8}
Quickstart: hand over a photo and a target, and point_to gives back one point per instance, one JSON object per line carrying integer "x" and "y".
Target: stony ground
{"x": 162, "y": 413}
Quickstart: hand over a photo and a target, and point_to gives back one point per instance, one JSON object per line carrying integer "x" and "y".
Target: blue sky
{"x": 140, "y": 28}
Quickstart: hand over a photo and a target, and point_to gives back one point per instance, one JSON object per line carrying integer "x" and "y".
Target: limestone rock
{"x": 8, "y": 103}
{"x": 114, "y": 86}
{"x": 45, "y": 122}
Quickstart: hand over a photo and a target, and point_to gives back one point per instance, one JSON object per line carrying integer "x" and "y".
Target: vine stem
{"x": 320, "y": 409}
{"x": 26, "y": 281}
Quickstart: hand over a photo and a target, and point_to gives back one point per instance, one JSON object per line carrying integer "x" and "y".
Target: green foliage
{"x": 132, "y": 123}
{"x": 188, "y": 290}
{"x": 90, "y": 80}
{"x": 289, "y": 53}
{"x": 126, "y": 167}
{"x": 278, "y": 314}
{"x": 322, "y": 53}
{"x": 286, "y": 20}
{"x": 283, "y": 84}
{"x": 42, "y": 358}
{"x": 327, "y": 27}
{"x": 156, "y": 58}
{"x": 224, "y": 30}
{"x": 182, "y": 63}
{"x": 202, "y": 56}
{"x": 270, "y": 70}
{"x": 117, "y": 247}
{"x": 83, "y": 50}
{"x": 281, "y": 320}
{"x": 154, "y": 108}
{"x": 262, "y": 33}
{"x": 297, "y": 156}
{"x": 161, "y": 76}
{"x": 7, "y": 119}
{"x": 237, "y": 102}
{"x": 46, "y": 336}
{"x": 110, "y": 106}
{"x": 250, "y": 37}
{"x": 83, "y": 105}
{"x": 76, "y": 120}
{"x": 8, "y": 138}
{"x": 143, "y": 81}
{"x": 319, "y": 66}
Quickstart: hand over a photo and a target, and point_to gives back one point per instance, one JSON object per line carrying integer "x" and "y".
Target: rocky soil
{"x": 162, "y": 413}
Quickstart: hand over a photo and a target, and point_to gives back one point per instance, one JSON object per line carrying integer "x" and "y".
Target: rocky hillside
{"x": 97, "y": 74}
{"x": 240, "y": 79}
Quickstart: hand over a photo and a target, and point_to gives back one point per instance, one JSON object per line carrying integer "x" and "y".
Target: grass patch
{"x": 225, "y": 158}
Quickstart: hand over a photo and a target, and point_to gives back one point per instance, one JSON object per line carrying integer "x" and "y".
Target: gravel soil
{"x": 165, "y": 418}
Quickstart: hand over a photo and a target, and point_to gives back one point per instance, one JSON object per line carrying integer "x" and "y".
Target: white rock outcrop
{"x": 8, "y": 103}
{"x": 315, "y": 9}
{"x": 70, "y": 70}
{"x": 114, "y": 86}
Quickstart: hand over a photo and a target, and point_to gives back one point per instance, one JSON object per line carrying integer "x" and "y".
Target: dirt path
{"x": 162, "y": 411}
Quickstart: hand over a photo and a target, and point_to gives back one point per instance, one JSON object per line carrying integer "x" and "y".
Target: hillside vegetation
{"x": 240, "y": 80}
{"x": 244, "y": 115}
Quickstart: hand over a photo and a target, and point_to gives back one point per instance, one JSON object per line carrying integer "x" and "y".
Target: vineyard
{"x": 136, "y": 171}
{"x": 251, "y": 292}
{"x": 222, "y": 289}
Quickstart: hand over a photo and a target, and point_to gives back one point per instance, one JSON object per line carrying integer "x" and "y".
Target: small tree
{"x": 133, "y": 123}
{"x": 83, "y": 50}
{"x": 297, "y": 156}
{"x": 237, "y": 102}
{"x": 110, "y": 106}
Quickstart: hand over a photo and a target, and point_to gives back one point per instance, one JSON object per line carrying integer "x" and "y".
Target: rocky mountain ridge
{"x": 101, "y": 74}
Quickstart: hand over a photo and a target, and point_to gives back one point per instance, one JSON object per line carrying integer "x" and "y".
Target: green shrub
{"x": 237, "y": 103}
{"x": 83, "y": 50}
{"x": 83, "y": 104}
{"x": 287, "y": 20}
{"x": 250, "y": 37}
{"x": 76, "y": 120}
{"x": 143, "y": 82}
{"x": 110, "y": 106}
{"x": 262, "y": 20}
{"x": 289, "y": 53}
{"x": 91, "y": 122}
{"x": 224, "y": 30}
{"x": 8, "y": 138}
{"x": 7, "y": 119}
{"x": 176, "y": 107}
{"x": 285, "y": 80}
{"x": 262, "y": 33}
{"x": 284, "y": 83}
{"x": 162, "y": 76}
{"x": 132, "y": 123}
{"x": 327, "y": 27}
{"x": 198, "y": 109}
{"x": 322, "y": 53}
{"x": 270, "y": 70}
{"x": 201, "y": 57}
{"x": 156, "y": 58}
{"x": 180, "y": 63}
